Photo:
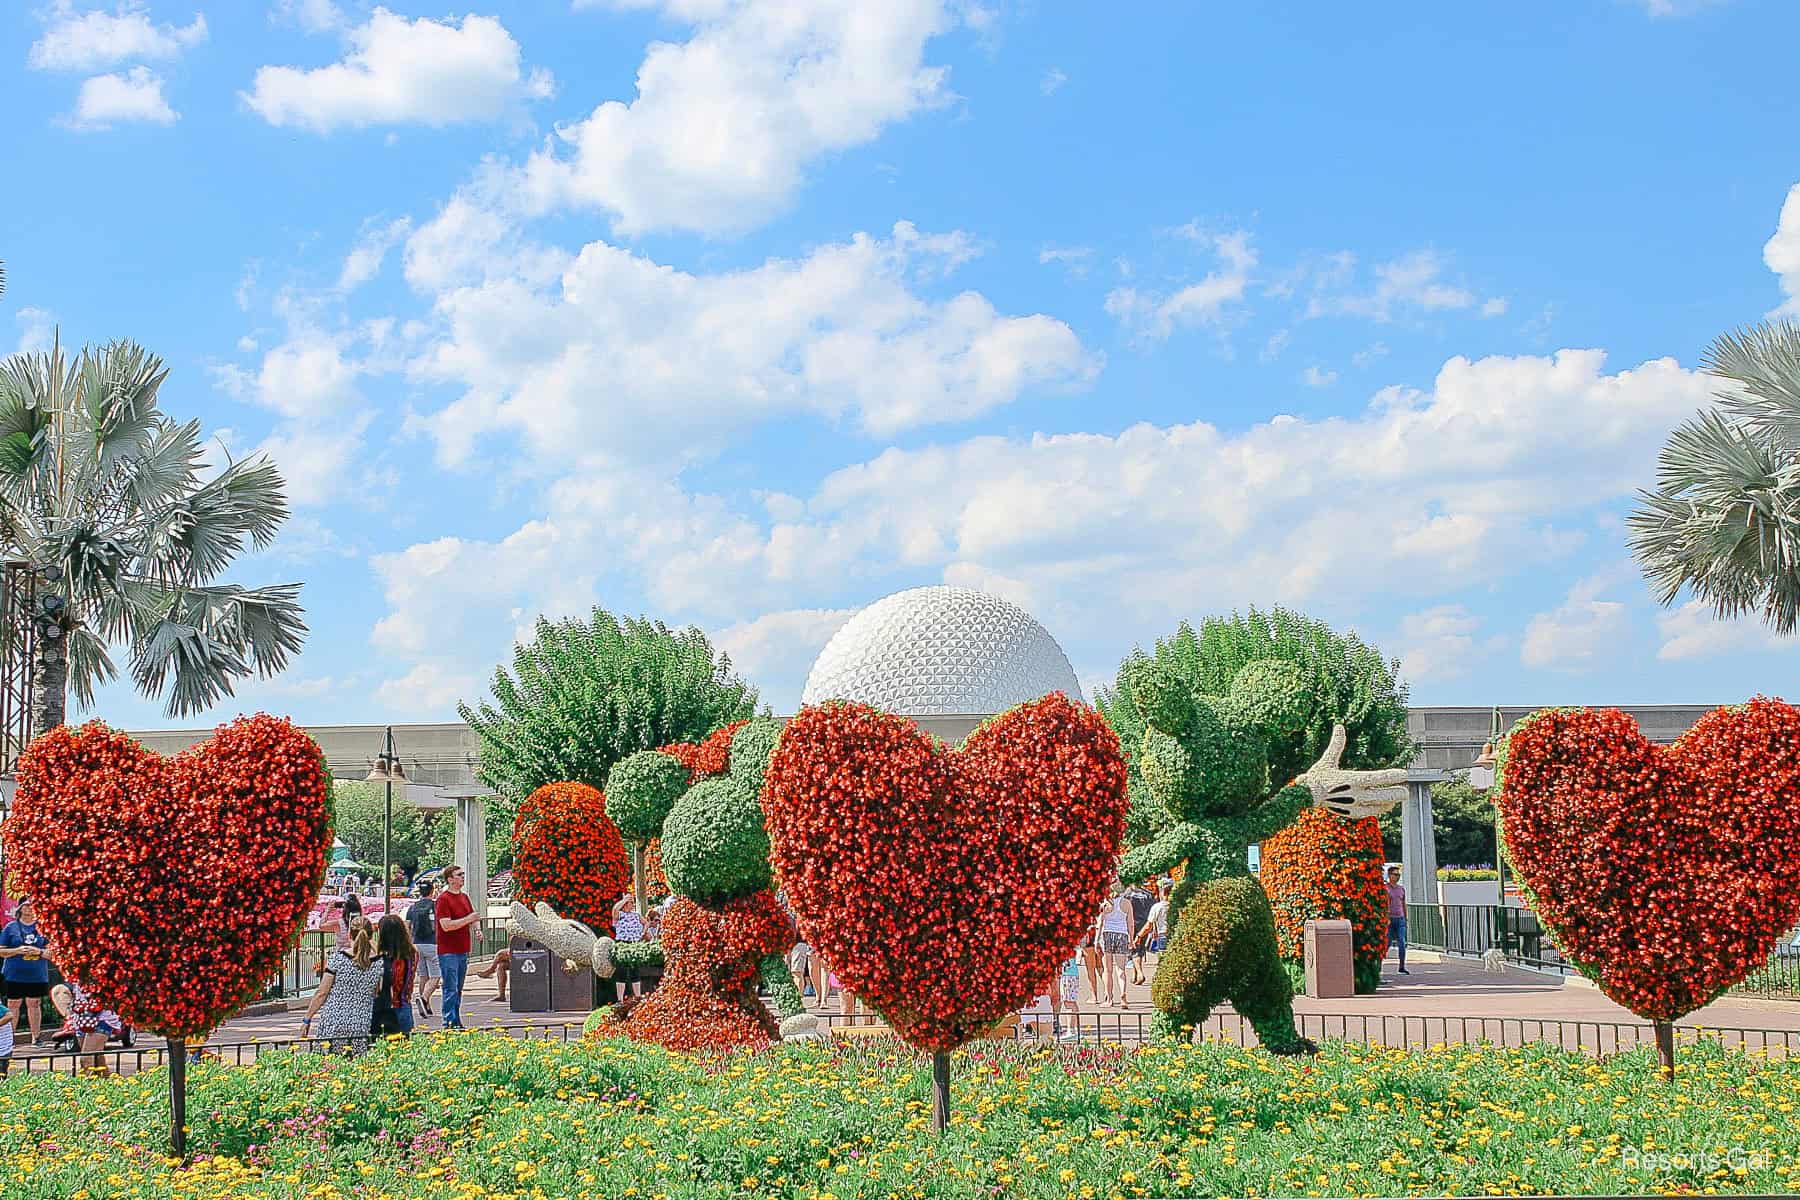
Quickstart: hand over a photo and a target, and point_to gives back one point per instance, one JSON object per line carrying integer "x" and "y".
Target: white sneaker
{"x": 1069, "y": 1035}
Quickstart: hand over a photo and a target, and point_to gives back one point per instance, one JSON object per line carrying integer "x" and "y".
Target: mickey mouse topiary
{"x": 1207, "y": 760}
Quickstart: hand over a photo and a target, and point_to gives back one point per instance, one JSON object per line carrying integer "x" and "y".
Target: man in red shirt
{"x": 455, "y": 914}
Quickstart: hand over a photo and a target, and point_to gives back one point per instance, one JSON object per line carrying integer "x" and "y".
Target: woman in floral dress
{"x": 344, "y": 1005}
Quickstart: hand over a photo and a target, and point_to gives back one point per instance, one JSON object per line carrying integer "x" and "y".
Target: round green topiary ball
{"x": 640, "y": 792}
{"x": 714, "y": 846}
{"x": 752, "y": 747}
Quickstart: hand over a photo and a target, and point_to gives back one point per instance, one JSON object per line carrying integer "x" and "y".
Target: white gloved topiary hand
{"x": 1352, "y": 794}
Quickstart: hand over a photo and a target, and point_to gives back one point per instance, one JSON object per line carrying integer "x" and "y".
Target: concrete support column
{"x": 1418, "y": 845}
{"x": 471, "y": 848}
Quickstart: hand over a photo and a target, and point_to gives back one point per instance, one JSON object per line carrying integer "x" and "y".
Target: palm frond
{"x": 1761, "y": 367}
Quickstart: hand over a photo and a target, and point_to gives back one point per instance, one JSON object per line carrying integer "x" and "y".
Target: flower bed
{"x": 480, "y": 1115}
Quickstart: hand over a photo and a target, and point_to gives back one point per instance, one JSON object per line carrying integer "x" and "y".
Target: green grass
{"x": 474, "y": 1115}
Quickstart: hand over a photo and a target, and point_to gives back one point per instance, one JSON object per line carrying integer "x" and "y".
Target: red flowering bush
{"x": 710, "y": 757}
{"x": 1666, "y": 873}
{"x": 172, "y": 888}
{"x": 945, "y": 887}
{"x": 1323, "y": 866}
{"x": 707, "y": 998}
{"x": 568, "y": 854}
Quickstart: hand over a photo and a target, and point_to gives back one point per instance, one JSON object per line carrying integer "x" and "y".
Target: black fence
{"x": 1395, "y": 1031}
{"x": 1779, "y": 978}
{"x": 1472, "y": 930}
{"x": 300, "y": 970}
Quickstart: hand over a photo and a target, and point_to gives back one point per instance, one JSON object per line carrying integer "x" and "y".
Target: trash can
{"x": 530, "y": 982}
{"x": 571, "y": 986}
{"x": 1330, "y": 960}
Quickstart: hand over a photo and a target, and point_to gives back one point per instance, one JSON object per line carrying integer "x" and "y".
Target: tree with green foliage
{"x": 108, "y": 502}
{"x": 1345, "y": 682}
{"x": 1724, "y": 518}
{"x": 356, "y": 818}
{"x": 1462, "y": 819}
{"x": 439, "y": 846}
{"x": 582, "y": 695}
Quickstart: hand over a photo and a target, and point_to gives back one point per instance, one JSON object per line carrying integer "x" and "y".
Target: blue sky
{"x": 747, "y": 314}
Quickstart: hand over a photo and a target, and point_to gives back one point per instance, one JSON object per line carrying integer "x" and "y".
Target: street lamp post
{"x": 388, "y": 771}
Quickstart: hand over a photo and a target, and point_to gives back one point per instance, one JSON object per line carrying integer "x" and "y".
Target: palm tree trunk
{"x": 49, "y": 684}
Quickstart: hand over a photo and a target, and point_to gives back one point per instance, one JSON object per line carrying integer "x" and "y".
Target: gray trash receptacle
{"x": 530, "y": 981}
{"x": 1330, "y": 960}
{"x": 571, "y": 986}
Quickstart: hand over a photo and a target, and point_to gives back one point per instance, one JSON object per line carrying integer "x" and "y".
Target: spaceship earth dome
{"x": 938, "y": 651}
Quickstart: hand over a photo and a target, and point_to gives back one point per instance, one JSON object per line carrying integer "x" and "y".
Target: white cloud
{"x": 681, "y": 361}
{"x": 777, "y": 649}
{"x": 1117, "y": 535}
{"x": 1076, "y": 260}
{"x": 1412, "y": 283}
{"x": 400, "y": 71}
{"x": 1156, "y": 316}
{"x": 1438, "y": 643}
{"x": 1676, "y": 8}
{"x": 36, "y": 326}
{"x": 364, "y": 260}
{"x": 313, "y": 16}
{"x": 1782, "y": 253}
{"x": 1692, "y": 631}
{"x": 90, "y": 41}
{"x": 1369, "y": 355}
{"x": 1584, "y": 631}
{"x": 310, "y": 380}
{"x": 1318, "y": 377}
{"x": 1052, "y": 81}
{"x": 108, "y": 100}
{"x": 725, "y": 123}
{"x": 427, "y": 692}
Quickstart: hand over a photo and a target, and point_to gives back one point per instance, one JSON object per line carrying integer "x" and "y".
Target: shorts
{"x": 1113, "y": 942}
{"x": 1140, "y": 949}
{"x": 100, "y": 1022}
{"x": 428, "y": 962}
{"x": 27, "y": 989}
{"x": 1071, "y": 988}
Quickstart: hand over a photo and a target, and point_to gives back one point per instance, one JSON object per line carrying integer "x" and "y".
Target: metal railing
{"x": 151, "y": 1052}
{"x": 1399, "y": 1031}
{"x": 1779, "y": 978}
{"x": 299, "y": 974}
{"x": 1394, "y": 1031}
{"x": 1472, "y": 930}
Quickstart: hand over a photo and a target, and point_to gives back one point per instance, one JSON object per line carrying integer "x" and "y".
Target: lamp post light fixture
{"x": 387, "y": 770}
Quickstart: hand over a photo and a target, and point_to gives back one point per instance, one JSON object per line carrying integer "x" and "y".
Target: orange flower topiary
{"x": 1323, "y": 866}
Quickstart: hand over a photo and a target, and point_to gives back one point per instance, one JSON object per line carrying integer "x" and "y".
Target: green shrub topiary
{"x": 640, "y": 792}
{"x": 714, "y": 846}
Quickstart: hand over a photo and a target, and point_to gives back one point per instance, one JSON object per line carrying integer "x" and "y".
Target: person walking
{"x": 421, "y": 924}
{"x": 1065, "y": 1000}
{"x": 25, "y": 967}
{"x": 455, "y": 914}
{"x": 1089, "y": 953}
{"x": 1141, "y": 901}
{"x": 393, "y": 1013}
{"x": 344, "y": 1004}
{"x": 1149, "y": 937}
{"x": 7, "y": 1021}
{"x": 352, "y": 910}
{"x": 1397, "y": 916}
{"x": 1115, "y": 943}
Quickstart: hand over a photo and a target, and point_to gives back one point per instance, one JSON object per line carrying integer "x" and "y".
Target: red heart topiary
{"x": 1666, "y": 873}
{"x": 171, "y": 888}
{"x": 945, "y": 887}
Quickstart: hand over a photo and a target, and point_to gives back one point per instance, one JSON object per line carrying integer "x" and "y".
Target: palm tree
{"x": 1724, "y": 519}
{"x": 102, "y": 498}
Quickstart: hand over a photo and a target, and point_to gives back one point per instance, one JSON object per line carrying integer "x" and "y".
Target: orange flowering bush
{"x": 945, "y": 887}
{"x": 1665, "y": 873}
{"x": 171, "y": 888}
{"x": 568, "y": 854}
{"x": 1325, "y": 867}
{"x": 707, "y": 998}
